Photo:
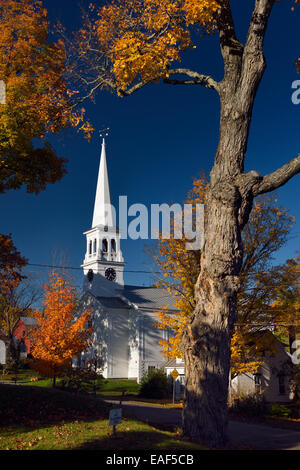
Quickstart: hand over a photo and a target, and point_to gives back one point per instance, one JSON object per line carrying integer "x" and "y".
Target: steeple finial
{"x": 103, "y": 213}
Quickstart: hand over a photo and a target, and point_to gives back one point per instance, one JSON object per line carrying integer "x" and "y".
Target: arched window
{"x": 113, "y": 246}
{"x": 95, "y": 245}
{"x": 104, "y": 245}
{"x": 90, "y": 247}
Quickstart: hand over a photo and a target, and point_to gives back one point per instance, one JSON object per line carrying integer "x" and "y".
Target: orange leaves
{"x": 143, "y": 37}
{"x": 37, "y": 101}
{"x": 59, "y": 336}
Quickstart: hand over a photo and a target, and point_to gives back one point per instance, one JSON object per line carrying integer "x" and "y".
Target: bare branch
{"x": 197, "y": 79}
{"x": 277, "y": 178}
{"x": 134, "y": 88}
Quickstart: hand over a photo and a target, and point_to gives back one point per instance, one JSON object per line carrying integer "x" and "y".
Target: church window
{"x": 104, "y": 245}
{"x": 90, "y": 247}
{"x": 95, "y": 245}
{"x": 281, "y": 383}
{"x": 113, "y": 246}
{"x": 257, "y": 380}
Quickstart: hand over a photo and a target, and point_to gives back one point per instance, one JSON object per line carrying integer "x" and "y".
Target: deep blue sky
{"x": 161, "y": 138}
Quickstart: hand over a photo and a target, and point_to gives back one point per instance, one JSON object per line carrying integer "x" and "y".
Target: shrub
{"x": 155, "y": 384}
{"x": 250, "y": 405}
{"x": 280, "y": 411}
{"x": 80, "y": 380}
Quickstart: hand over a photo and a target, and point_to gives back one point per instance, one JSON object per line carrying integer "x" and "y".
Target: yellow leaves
{"x": 201, "y": 11}
{"x": 243, "y": 357}
{"x": 143, "y": 37}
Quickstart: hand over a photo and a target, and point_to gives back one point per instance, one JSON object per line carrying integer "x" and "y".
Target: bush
{"x": 155, "y": 384}
{"x": 77, "y": 380}
{"x": 280, "y": 411}
{"x": 250, "y": 405}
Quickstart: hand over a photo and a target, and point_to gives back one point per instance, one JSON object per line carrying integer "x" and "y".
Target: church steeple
{"x": 103, "y": 211}
{"x": 103, "y": 261}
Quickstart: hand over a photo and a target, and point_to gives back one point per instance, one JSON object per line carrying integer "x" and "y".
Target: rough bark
{"x": 229, "y": 198}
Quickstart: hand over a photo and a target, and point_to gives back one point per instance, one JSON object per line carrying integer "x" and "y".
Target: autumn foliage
{"x": 130, "y": 41}
{"x": 37, "y": 102}
{"x": 261, "y": 284}
{"x": 11, "y": 265}
{"x": 127, "y": 44}
{"x": 58, "y": 336}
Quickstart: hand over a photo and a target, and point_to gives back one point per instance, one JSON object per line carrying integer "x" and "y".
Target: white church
{"x": 125, "y": 339}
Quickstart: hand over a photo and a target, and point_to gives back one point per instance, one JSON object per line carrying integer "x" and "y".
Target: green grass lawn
{"x": 47, "y": 419}
{"x": 117, "y": 386}
{"x": 105, "y": 386}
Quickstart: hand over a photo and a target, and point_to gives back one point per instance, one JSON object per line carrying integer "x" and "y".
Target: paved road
{"x": 253, "y": 436}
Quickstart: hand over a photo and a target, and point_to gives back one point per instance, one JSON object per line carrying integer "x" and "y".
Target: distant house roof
{"x": 28, "y": 321}
{"x": 149, "y": 297}
{"x": 173, "y": 363}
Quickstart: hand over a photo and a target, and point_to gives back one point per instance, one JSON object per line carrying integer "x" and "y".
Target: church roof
{"x": 112, "y": 302}
{"x": 103, "y": 214}
{"x": 149, "y": 297}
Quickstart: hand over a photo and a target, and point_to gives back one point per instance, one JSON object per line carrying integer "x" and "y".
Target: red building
{"x": 21, "y": 334}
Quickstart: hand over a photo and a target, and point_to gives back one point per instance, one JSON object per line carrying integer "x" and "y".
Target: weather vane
{"x": 104, "y": 132}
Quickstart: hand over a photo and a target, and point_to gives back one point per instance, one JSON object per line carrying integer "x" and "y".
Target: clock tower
{"x": 103, "y": 265}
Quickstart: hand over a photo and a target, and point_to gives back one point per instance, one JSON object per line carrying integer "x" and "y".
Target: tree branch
{"x": 277, "y": 178}
{"x": 198, "y": 79}
{"x": 226, "y": 28}
{"x": 258, "y": 24}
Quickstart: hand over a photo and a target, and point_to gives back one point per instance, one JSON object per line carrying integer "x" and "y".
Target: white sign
{"x": 2, "y": 92}
{"x": 115, "y": 417}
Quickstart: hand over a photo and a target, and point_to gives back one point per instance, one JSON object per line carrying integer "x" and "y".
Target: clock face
{"x": 110, "y": 274}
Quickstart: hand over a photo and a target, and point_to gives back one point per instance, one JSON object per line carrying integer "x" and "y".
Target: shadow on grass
{"x": 139, "y": 441}
{"x": 36, "y": 407}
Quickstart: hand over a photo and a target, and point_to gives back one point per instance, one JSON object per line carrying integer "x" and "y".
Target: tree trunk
{"x": 207, "y": 337}
{"x": 228, "y": 200}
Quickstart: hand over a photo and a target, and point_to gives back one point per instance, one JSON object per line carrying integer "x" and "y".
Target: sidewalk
{"x": 248, "y": 436}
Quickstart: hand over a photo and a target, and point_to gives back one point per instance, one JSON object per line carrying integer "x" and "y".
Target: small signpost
{"x": 115, "y": 417}
{"x": 174, "y": 375}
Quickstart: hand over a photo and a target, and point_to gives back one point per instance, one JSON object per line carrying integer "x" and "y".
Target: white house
{"x": 125, "y": 339}
{"x": 273, "y": 378}
{"x": 3, "y": 347}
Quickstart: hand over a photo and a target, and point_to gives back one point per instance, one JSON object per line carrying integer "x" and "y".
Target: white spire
{"x": 103, "y": 211}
